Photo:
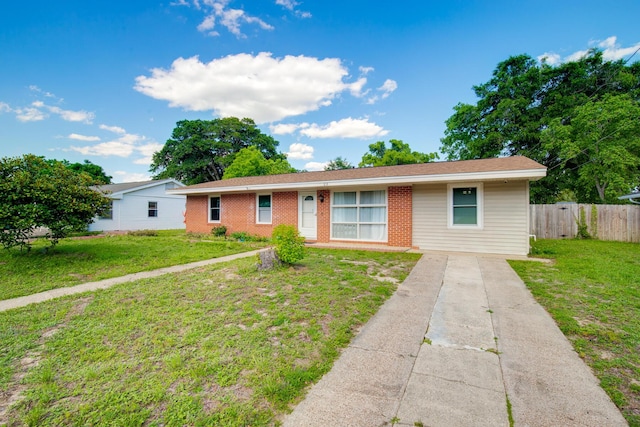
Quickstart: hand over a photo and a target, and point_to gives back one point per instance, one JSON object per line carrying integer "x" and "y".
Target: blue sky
{"x": 107, "y": 81}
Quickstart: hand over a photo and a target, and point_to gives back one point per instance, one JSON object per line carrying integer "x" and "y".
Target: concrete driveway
{"x": 461, "y": 343}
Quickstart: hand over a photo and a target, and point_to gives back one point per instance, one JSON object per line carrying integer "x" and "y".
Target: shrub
{"x": 289, "y": 245}
{"x": 243, "y": 236}
{"x": 219, "y": 231}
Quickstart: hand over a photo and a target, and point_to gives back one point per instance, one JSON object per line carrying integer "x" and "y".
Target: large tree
{"x": 398, "y": 153}
{"x": 96, "y": 172}
{"x": 251, "y": 162}
{"x": 603, "y": 137}
{"x": 37, "y": 193}
{"x": 523, "y": 98}
{"x": 337, "y": 164}
{"x": 201, "y": 150}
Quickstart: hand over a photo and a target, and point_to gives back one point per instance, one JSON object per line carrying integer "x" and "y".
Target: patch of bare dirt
{"x": 14, "y": 393}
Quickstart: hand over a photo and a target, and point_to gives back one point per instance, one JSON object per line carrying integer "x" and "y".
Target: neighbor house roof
{"x": 115, "y": 191}
{"x": 516, "y": 167}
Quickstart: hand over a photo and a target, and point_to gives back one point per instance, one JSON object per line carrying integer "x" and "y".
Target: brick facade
{"x": 400, "y": 218}
{"x": 238, "y": 213}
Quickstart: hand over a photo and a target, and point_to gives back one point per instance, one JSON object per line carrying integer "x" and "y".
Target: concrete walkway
{"x": 107, "y": 283}
{"x": 460, "y": 338}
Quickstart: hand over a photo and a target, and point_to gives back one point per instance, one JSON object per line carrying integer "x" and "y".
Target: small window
{"x": 465, "y": 206}
{"x": 153, "y": 209}
{"x": 214, "y": 209}
{"x": 264, "y": 208}
{"x": 108, "y": 213}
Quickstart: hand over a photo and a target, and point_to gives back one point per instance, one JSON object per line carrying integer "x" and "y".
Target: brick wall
{"x": 323, "y": 216}
{"x": 238, "y": 213}
{"x": 400, "y": 220}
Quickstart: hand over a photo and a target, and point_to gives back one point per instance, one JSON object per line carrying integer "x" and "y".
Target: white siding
{"x": 505, "y": 227}
{"x": 131, "y": 212}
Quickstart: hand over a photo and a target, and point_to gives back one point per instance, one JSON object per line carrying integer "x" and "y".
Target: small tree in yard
{"x": 38, "y": 193}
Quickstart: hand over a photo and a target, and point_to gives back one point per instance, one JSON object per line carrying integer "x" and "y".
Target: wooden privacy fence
{"x": 611, "y": 222}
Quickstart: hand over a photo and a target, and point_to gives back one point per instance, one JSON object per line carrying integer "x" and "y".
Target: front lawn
{"x": 75, "y": 261}
{"x": 592, "y": 290}
{"x": 219, "y": 345}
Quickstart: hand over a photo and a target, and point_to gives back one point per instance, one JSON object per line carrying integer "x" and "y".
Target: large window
{"x": 264, "y": 209}
{"x": 465, "y": 205}
{"x": 359, "y": 215}
{"x": 214, "y": 209}
{"x": 153, "y": 209}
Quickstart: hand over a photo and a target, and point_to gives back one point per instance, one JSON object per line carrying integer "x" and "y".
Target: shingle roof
{"x": 125, "y": 186}
{"x": 503, "y": 164}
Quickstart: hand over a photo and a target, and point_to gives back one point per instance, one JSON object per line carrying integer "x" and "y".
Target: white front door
{"x": 307, "y": 215}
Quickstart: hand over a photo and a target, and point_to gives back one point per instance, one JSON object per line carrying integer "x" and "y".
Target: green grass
{"x": 592, "y": 290}
{"x": 75, "y": 261}
{"x": 218, "y": 345}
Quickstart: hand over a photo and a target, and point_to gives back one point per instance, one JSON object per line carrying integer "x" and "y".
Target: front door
{"x": 307, "y": 215}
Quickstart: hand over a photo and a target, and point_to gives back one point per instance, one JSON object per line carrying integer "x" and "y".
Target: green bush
{"x": 143, "y": 233}
{"x": 289, "y": 245}
{"x": 243, "y": 236}
{"x": 219, "y": 231}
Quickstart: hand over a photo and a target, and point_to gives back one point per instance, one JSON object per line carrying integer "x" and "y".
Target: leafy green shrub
{"x": 219, "y": 231}
{"x": 289, "y": 245}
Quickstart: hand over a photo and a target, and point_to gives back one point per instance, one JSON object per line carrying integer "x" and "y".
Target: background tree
{"x": 38, "y": 193}
{"x": 337, "y": 164}
{"x": 96, "y": 172}
{"x": 201, "y": 150}
{"x": 603, "y": 137}
{"x": 251, "y": 162}
{"x": 399, "y": 153}
{"x": 522, "y": 99}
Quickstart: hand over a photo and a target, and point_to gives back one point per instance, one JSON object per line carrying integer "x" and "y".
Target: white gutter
{"x": 533, "y": 174}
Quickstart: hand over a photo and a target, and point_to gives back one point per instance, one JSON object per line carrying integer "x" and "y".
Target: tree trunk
{"x": 268, "y": 260}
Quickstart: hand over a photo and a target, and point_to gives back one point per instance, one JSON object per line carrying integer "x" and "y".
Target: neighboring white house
{"x": 142, "y": 206}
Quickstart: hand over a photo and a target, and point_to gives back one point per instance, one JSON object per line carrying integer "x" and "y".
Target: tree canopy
{"x": 251, "y": 162}
{"x": 337, "y": 164}
{"x": 399, "y": 153}
{"x": 524, "y": 98}
{"x": 96, "y": 172}
{"x": 37, "y": 193}
{"x": 201, "y": 150}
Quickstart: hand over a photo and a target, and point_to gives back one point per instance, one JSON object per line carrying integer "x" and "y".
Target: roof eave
{"x": 528, "y": 174}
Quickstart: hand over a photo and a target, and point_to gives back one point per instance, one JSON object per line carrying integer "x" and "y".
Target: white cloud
{"x": 29, "y": 114}
{"x": 315, "y": 166}
{"x": 124, "y": 146}
{"x": 5, "y": 108}
{"x": 291, "y": 5}
{"x": 611, "y": 51}
{"x": 216, "y": 12}
{"x": 261, "y": 87}
{"x": 71, "y": 116}
{"x": 300, "y": 151}
{"x": 365, "y": 70}
{"x": 122, "y": 176}
{"x": 286, "y": 128}
{"x": 85, "y": 138}
{"x": 345, "y": 128}
{"x": 36, "y": 89}
{"x": 114, "y": 129}
{"x": 388, "y": 87}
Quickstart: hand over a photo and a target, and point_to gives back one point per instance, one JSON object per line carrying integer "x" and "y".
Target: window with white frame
{"x": 465, "y": 205}
{"x": 214, "y": 209}
{"x": 263, "y": 213}
{"x": 359, "y": 215}
{"x": 153, "y": 209}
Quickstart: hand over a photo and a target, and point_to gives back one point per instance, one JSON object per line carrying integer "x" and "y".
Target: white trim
{"x": 209, "y": 220}
{"x": 529, "y": 174}
{"x": 480, "y": 206}
{"x": 258, "y": 208}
